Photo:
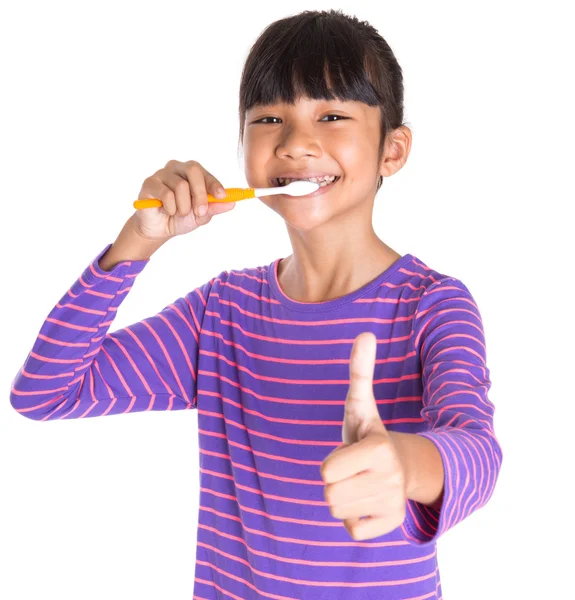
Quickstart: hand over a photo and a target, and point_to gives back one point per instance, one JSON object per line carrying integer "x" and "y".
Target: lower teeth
{"x": 320, "y": 183}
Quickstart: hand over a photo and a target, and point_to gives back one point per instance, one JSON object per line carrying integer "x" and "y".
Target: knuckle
{"x": 168, "y": 195}
{"x": 149, "y": 181}
{"x": 201, "y": 196}
{"x": 168, "y": 200}
{"x": 181, "y": 185}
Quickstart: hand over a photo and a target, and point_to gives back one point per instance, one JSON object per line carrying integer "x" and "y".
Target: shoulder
{"x": 428, "y": 284}
{"x": 444, "y": 301}
{"x": 239, "y": 281}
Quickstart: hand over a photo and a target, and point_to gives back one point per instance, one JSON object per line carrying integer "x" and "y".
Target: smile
{"x": 322, "y": 181}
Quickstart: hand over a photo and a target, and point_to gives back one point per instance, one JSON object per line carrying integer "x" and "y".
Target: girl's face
{"x": 314, "y": 137}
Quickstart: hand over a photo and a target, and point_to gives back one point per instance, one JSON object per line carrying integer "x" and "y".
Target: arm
{"x": 449, "y": 339}
{"x": 77, "y": 369}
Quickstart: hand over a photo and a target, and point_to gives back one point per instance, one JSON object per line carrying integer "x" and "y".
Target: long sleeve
{"x": 449, "y": 338}
{"x": 76, "y": 369}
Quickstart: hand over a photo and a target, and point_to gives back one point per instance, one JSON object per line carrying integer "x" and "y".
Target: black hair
{"x": 323, "y": 55}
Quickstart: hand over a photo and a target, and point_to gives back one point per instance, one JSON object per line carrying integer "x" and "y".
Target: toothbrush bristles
{"x": 302, "y": 188}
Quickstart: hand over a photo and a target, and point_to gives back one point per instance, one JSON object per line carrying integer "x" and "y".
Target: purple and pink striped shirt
{"x": 268, "y": 376}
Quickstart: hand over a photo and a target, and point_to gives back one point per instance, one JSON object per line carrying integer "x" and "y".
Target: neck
{"x": 333, "y": 260}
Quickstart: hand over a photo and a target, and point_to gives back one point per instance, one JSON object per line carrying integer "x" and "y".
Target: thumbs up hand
{"x": 365, "y": 479}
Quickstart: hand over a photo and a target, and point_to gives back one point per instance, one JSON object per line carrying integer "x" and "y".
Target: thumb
{"x": 361, "y": 415}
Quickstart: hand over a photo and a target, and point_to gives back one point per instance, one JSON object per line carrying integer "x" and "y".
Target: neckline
{"x": 334, "y": 302}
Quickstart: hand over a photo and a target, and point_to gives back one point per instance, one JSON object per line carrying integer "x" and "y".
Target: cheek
{"x": 254, "y": 161}
{"x": 357, "y": 156}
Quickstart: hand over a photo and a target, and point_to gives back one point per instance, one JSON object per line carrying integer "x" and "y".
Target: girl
{"x": 345, "y": 339}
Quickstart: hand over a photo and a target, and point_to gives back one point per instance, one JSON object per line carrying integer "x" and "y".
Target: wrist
{"x": 422, "y": 467}
{"x": 136, "y": 241}
{"x": 128, "y": 246}
{"x": 399, "y": 442}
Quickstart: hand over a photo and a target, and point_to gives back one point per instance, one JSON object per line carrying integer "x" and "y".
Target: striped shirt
{"x": 268, "y": 376}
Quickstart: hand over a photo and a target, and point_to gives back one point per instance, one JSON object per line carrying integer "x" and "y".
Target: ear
{"x": 395, "y": 150}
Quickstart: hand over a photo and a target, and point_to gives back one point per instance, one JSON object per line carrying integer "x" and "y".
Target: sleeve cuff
{"x": 424, "y": 524}
{"x": 129, "y": 268}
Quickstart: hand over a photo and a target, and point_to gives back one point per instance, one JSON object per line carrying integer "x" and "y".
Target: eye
{"x": 262, "y": 120}
{"x": 338, "y": 116}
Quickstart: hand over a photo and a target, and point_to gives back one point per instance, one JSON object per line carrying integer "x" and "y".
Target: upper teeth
{"x": 323, "y": 179}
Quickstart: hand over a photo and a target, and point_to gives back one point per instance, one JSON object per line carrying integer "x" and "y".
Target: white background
{"x": 98, "y": 96}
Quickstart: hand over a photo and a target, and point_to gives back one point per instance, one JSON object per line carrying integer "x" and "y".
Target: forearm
{"x": 423, "y": 467}
{"x": 129, "y": 245}
{"x": 67, "y": 337}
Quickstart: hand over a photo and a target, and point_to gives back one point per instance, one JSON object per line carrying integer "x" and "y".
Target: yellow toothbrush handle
{"x": 232, "y": 195}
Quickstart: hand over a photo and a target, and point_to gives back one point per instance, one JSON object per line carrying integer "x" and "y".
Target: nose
{"x": 297, "y": 143}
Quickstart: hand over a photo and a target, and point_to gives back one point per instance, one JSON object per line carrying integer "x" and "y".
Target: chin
{"x": 306, "y": 213}
{"x": 302, "y": 218}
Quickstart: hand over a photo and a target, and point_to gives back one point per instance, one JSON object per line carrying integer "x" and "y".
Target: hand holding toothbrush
{"x": 180, "y": 201}
{"x": 180, "y": 187}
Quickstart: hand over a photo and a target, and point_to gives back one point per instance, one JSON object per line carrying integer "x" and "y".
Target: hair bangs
{"x": 309, "y": 62}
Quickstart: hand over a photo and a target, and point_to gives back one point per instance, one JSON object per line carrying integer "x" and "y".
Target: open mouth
{"x": 323, "y": 181}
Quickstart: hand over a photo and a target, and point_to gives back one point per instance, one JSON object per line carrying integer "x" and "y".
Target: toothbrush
{"x": 295, "y": 188}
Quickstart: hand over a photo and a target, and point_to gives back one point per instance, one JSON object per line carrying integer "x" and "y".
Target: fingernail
{"x": 220, "y": 193}
{"x": 202, "y": 209}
